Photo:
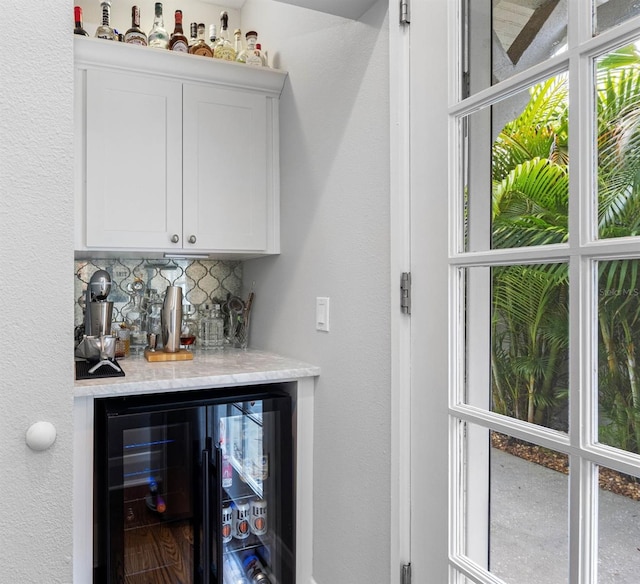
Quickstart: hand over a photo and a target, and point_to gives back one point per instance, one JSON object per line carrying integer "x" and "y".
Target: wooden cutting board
{"x": 156, "y": 356}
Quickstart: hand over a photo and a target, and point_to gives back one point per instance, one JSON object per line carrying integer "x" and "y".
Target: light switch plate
{"x": 322, "y": 313}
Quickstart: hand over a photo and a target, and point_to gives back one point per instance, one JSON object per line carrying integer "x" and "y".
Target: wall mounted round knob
{"x": 40, "y": 435}
{"x": 192, "y": 239}
{"x": 175, "y": 238}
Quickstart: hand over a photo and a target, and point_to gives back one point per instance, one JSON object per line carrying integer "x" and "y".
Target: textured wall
{"x": 36, "y": 243}
{"x": 334, "y": 157}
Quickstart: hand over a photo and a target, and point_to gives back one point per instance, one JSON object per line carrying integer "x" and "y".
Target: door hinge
{"x": 405, "y": 17}
{"x": 406, "y": 574}
{"x": 405, "y": 292}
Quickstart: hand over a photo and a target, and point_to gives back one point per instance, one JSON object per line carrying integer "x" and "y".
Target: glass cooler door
{"x": 150, "y": 501}
{"x": 254, "y": 452}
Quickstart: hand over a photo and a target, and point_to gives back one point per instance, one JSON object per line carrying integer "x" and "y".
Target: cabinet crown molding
{"x": 91, "y": 52}
{"x": 353, "y": 9}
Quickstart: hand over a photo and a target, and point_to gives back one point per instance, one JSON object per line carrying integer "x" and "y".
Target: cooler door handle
{"x": 206, "y": 517}
{"x": 218, "y": 513}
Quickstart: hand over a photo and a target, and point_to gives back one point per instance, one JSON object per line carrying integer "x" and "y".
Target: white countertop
{"x": 208, "y": 369}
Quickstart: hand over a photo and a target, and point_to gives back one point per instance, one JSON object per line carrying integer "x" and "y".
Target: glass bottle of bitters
{"x": 158, "y": 36}
{"x": 224, "y": 49}
{"x": 178, "y": 42}
{"x": 77, "y": 16}
{"x": 135, "y": 35}
{"x": 104, "y": 31}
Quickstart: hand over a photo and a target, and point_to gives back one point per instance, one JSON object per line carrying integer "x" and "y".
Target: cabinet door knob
{"x": 192, "y": 239}
{"x": 175, "y": 238}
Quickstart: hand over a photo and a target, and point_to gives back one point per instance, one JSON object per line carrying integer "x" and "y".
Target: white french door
{"x": 525, "y": 261}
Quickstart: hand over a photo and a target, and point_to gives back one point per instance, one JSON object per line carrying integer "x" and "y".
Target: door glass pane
{"x": 617, "y": 128}
{"x": 256, "y": 468}
{"x": 619, "y": 354}
{"x": 516, "y": 492}
{"x": 609, "y": 13}
{"x": 504, "y": 37}
{"x": 618, "y": 528}
{"x": 516, "y": 169}
{"x": 519, "y": 314}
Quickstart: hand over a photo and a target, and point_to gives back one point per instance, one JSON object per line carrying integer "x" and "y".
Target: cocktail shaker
{"x": 171, "y": 318}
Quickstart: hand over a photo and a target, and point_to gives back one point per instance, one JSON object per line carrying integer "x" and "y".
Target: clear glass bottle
{"x": 211, "y": 328}
{"x": 200, "y": 47}
{"x": 135, "y": 317}
{"x": 154, "y": 311}
{"x": 213, "y": 39}
{"x": 251, "y": 55}
{"x": 77, "y": 17}
{"x": 135, "y": 35}
{"x": 158, "y": 36}
{"x": 262, "y": 54}
{"x": 104, "y": 31}
{"x": 178, "y": 42}
{"x": 193, "y": 34}
{"x": 237, "y": 43}
{"x": 224, "y": 49}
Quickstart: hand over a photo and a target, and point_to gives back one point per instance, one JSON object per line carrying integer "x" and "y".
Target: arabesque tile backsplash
{"x": 201, "y": 280}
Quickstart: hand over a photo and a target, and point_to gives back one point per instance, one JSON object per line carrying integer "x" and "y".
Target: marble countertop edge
{"x": 227, "y": 368}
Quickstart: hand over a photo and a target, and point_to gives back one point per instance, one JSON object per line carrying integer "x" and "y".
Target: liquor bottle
{"x": 224, "y": 49}
{"x": 104, "y": 31}
{"x": 77, "y": 16}
{"x": 237, "y": 45}
{"x": 212, "y": 36}
{"x": 251, "y": 55}
{"x": 135, "y": 35}
{"x": 263, "y": 55}
{"x": 193, "y": 34}
{"x": 200, "y": 47}
{"x": 178, "y": 42}
{"x": 158, "y": 36}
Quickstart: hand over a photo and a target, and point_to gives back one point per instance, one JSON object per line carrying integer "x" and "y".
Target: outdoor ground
{"x": 610, "y": 480}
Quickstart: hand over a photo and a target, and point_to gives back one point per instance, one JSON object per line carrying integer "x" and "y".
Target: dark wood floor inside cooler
{"x": 159, "y": 554}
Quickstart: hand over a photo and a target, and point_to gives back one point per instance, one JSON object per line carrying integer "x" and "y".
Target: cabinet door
{"x": 227, "y": 166}
{"x": 134, "y": 161}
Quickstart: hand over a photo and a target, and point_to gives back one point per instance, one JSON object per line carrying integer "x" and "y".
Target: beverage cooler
{"x": 194, "y": 488}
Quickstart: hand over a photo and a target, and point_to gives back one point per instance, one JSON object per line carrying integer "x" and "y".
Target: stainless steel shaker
{"x": 171, "y": 318}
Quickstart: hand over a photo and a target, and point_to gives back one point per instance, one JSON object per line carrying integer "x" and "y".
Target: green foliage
{"x": 530, "y": 172}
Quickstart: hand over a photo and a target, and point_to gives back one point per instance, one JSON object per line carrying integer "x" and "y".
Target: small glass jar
{"x": 123, "y": 341}
{"x": 189, "y": 330}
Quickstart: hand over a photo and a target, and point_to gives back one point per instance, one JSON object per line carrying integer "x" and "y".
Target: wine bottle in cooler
{"x": 227, "y": 469}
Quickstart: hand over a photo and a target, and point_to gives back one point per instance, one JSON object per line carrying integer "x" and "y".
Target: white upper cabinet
{"x": 175, "y": 153}
{"x": 226, "y": 175}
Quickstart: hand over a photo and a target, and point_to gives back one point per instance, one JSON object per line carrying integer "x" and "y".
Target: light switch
{"x": 322, "y": 314}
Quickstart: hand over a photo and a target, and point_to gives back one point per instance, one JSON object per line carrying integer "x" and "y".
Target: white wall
{"x": 335, "y": 242}
{"x": 36, "y": 243}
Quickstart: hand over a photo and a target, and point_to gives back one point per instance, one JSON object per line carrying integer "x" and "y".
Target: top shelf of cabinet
{"x": 353, "y": 9}
{"x": 90, "y": 52}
